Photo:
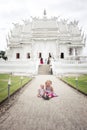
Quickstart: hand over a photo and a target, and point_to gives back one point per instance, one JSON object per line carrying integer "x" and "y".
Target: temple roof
{"x": 48, "y": 28}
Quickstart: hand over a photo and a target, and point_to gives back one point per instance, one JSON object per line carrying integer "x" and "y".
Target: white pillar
{"x": 58, "y": 50}
{"x": 73, "y": 51}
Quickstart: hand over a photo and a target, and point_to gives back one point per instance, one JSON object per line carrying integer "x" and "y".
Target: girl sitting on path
{"x": 41, "y": 91}
{"x": 49, "y": 92}
{"x": 49, "y": 89}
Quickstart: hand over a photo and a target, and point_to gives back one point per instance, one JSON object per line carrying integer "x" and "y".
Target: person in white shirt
{"x": 41, "y": 91}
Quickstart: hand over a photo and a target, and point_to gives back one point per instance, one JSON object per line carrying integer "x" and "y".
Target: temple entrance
{"x": 45, "y": 56}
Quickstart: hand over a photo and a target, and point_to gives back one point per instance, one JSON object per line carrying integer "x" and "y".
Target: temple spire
{"x": 44, "y": 13}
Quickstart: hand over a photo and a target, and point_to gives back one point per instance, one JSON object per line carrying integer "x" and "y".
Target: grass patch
{"x": 80, "y": 84}
{"x": 16, "y": 83}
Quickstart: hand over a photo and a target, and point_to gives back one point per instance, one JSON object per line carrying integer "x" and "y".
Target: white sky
{"x": 12, "y": 11}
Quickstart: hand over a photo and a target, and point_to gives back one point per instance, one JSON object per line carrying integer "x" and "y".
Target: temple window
{"x": 40, "y": 54}
{"x": 62, "y": 55}
{"x": 17, "y": 55}
{"x": 50, "y": 55}
{"x": 28, "y": 55}
{"x": 76, "y": 53}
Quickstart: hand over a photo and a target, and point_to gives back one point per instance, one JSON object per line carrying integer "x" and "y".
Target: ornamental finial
{"x": 45, "y": 12}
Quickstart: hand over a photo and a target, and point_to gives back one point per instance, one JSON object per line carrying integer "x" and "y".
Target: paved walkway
{"x": 66, "y": 112}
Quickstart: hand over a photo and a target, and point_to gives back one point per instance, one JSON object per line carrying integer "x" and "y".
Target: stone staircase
{"x": 44, "y": 70}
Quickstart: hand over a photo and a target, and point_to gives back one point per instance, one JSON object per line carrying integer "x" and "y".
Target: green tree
{"x": 2, "y": 55}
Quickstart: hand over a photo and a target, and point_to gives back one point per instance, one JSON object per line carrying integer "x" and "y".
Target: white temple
{"x": 45, "y": 38}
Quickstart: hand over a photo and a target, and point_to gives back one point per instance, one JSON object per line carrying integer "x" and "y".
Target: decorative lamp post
{"x": 76, "y": 79}
{"x": 9, "y": 84}
{"x": 76, "y": 75}
{"x": 21, "y": 80}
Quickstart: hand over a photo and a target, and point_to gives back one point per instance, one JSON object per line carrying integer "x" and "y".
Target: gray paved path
{"x": 66, "y": 112}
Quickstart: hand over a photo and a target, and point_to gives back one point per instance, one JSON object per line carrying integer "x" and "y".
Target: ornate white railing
{"x": 28, "y": 67}
{"x": 66, "y": 67}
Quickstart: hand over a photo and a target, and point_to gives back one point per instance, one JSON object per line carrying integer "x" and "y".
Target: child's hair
{"x": 42, "y": 86}
{"x": 48, "y": 81}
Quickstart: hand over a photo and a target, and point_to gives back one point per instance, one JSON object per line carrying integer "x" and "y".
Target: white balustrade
{"x": 29, "y": 67}
{"x": 63, "y": 68}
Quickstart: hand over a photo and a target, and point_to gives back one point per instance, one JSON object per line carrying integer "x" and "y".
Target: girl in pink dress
{"x": 49, "y": 92}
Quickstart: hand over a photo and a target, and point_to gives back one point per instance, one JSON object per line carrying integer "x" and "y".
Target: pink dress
{"x": 49, "y": 92}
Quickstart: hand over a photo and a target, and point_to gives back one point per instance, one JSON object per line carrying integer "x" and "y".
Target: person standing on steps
{"x": 41, "y": 60}
{"x": 48, "y": 61}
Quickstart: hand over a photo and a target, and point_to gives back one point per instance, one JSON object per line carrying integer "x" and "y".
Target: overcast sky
{"x": 12, "y": 11}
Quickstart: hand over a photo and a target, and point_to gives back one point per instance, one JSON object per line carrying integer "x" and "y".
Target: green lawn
{"x": 16, "y": 83}
{"x": 80, "y": 84}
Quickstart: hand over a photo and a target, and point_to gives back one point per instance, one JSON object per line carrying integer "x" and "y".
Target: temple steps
{"x": 44, "y": 70}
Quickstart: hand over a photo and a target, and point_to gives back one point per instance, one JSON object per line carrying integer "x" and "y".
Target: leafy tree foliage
{"x": 2, "y": 55}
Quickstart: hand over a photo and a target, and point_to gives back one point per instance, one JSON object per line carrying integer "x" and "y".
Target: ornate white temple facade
{"x": 45, "y": 37}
